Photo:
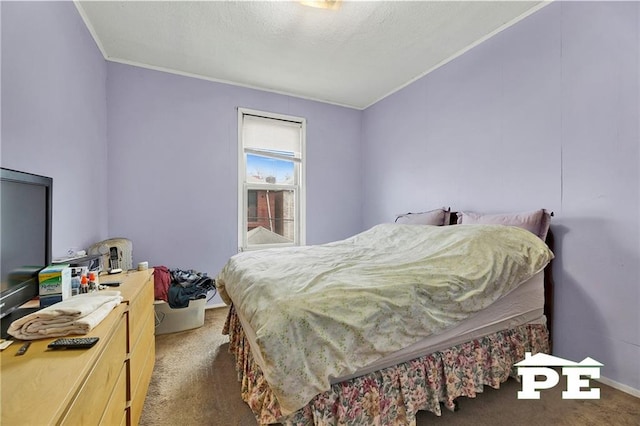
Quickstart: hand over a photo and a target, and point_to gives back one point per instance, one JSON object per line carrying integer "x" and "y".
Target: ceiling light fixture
{"x": 322, "y": 4}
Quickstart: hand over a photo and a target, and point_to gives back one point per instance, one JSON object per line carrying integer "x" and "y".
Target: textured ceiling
{"x": 354, "y": 55}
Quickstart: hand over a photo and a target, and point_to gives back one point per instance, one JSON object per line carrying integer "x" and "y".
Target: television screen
{"x": 25, "y": 237}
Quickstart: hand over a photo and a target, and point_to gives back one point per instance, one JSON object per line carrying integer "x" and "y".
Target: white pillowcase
{"x": 436, "y": 217}
{"x": 536, "y": 221}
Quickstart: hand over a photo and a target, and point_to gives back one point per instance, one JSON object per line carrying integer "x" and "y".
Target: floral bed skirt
{"x": 393, "y": 395}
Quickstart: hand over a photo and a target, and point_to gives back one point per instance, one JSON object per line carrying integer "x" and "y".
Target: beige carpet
{"x": 194, "y": 383}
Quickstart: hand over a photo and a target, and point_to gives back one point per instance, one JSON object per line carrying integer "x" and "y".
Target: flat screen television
{"x": 25, "y": 239}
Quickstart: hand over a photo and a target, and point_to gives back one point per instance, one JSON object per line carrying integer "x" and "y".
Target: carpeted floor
{"x": 194, "y": 383}
{"x": 194, "y": 380}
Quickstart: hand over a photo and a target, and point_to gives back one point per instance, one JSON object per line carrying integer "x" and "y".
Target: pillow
{"x": 436, "y": 217}
{"x": 536, "y": 221}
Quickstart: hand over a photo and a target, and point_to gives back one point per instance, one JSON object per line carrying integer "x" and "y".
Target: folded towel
{"x": 76, "y": 315}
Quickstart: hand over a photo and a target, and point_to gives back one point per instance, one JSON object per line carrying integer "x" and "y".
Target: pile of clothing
{"x": 177, "y": 287}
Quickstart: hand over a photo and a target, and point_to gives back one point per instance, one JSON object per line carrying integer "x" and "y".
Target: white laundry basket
{"x": 170, "y": 320}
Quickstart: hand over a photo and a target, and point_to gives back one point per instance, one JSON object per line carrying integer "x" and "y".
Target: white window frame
{"x": 243, "y": 187}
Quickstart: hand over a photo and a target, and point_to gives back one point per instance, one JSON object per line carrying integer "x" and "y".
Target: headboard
{"x": 548, "y": 280}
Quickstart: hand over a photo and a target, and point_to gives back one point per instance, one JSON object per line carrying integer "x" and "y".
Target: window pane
{"x": 252, "y": 212}
{"x": 270, "y": 216}
{"x": 269, "y": 170}
{"x": 271, "y": 186}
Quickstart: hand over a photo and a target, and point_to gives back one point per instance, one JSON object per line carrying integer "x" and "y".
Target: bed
{"x": 402, "y": 317}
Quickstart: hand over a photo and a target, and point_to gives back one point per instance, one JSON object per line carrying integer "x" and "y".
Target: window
{"x": 271, "y": 187}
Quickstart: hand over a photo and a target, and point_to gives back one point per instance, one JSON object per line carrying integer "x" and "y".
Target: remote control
{"x": 23, "y": 349}
{"x": 73, "y": 343}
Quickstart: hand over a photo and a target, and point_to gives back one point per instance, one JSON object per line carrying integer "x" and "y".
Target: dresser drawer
{"x": 116, "y": 407}
{"x": 140, "y": 309}
{"x": 142, "y": 386}
{"x": 91, "y": 401}
{"x": 142, "y": 350}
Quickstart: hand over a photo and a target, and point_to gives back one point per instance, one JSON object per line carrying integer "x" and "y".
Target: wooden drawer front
{"x": 125, "y": 421}
{"x": 142, "y": 386}
{"x": 116, "y": 407}
{"x": 91, "y": 400}
{"x": 141, "y": 352}
{"x": 140, "y": 393}
{"x": 140, "y": 309}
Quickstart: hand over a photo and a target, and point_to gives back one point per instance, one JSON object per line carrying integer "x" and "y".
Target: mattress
{"x": 523, "y": 305}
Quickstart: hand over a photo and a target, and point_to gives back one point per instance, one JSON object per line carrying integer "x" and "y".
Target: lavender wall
{"x": 545, "y": 114}
{"x": 54, "y": 114}
{"x": 173, "y": 166}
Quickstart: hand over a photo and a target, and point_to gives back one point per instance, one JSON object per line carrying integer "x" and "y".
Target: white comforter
{"x": 327, "y": 310}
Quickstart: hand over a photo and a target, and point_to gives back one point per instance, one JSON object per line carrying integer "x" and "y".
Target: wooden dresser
{"x": 104, "y": 385}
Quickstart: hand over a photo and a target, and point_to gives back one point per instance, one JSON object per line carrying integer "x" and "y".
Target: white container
{"x": 169, "y": 320}
{"x": 54, "y": 284}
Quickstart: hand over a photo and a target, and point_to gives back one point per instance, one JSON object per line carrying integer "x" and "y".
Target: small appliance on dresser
{"x": 117, "y": 254}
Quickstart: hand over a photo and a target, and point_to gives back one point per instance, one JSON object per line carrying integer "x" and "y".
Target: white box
{"x": 170, "y": 320}
{"x": 55, "y": 280}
